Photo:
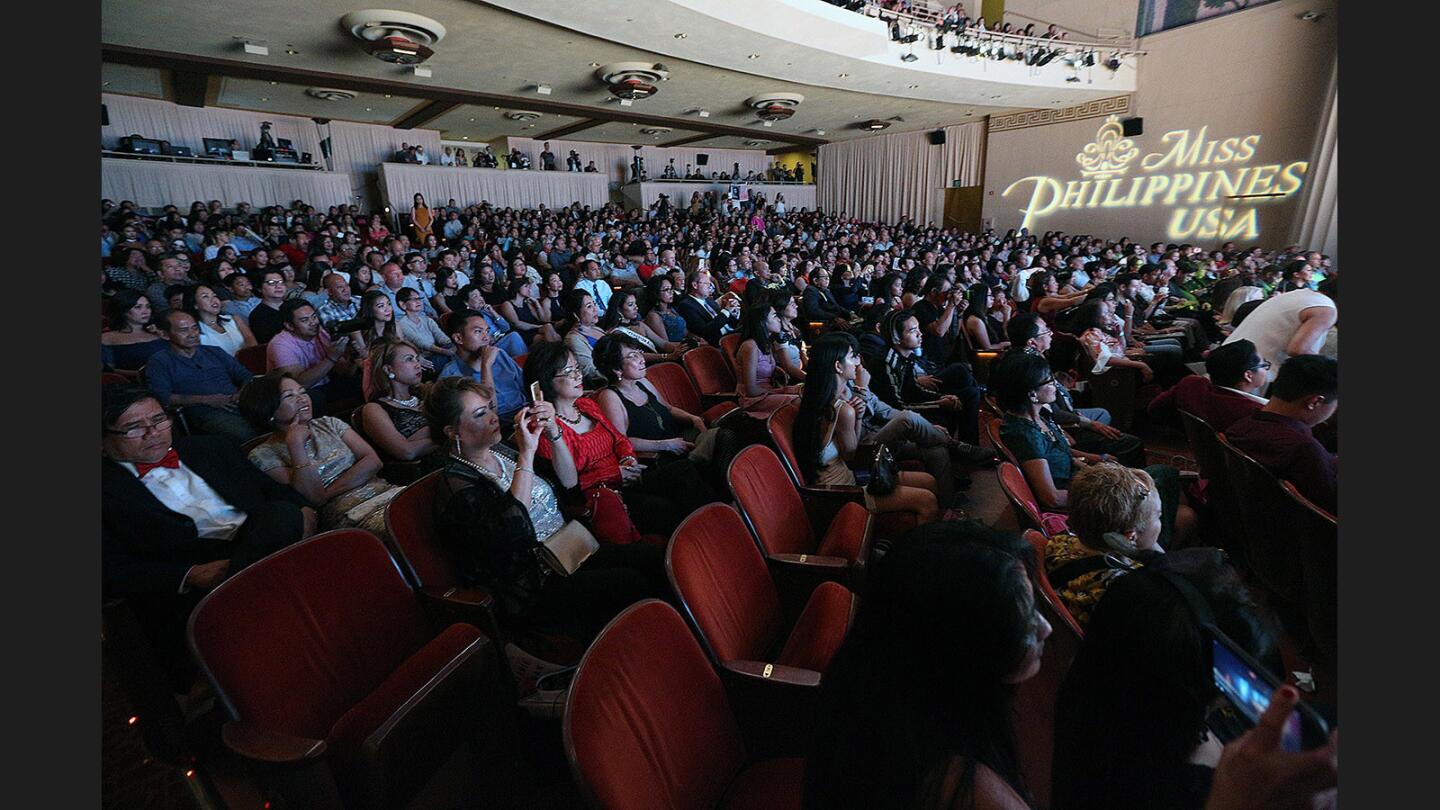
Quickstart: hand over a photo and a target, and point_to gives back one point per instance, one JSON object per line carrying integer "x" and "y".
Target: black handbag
{"x": 884, "y": 472}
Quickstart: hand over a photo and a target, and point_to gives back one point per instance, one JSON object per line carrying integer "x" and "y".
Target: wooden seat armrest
{"x": 816, "y": 562}
{"x": 463, "y": 598}
{"x": 775, "y": 673}
{"x": 271, "y": 747}
{"x": 844, "y": 492}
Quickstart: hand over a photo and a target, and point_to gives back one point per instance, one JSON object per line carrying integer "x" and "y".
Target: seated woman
{"x": 526, "y": 313}
{"x": 1024, "y": 388}
{"x": 828, "y": 428}
{"x": 221, "y": 331}
{"x": 755, "y": 366}
{"x": 552, "y": 287}
{"x": 1115, "y": 517}
{"x": 130, "y": 339}
{"x": 492, "y": 510}
{"x": 1100, "y": 336}
{"x": 916, "y": 708}
{"x": 602, "y": 455}
{"x": 392, "y": 418}
{"x": 1046, "y": 300}
{"x": 982, "y": 333}
{"x": 436, "y": 348}
{"x": 789, "y": 346}
{"x": 1141, "y": 740}
{"x": 622, "y": 317}
{"x": 491, "y": 288}
{"x": 634, "y": 407}
{"x": 660, "y": 313}
{"x": 1000, "y": 312}
{"x": 584, "y": 334}
{"x": 447, "y": 291}
{"x": 321, "y": 458}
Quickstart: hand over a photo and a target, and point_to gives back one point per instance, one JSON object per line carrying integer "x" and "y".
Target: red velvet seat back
{"x": 1017, "y": 489}
{"x": 647, "y": 724}
{"x": 730, "y": 348}
{"x": 297, "y": 639}
{"x": 708, "y": 369}
{"x": 1273, "y": 549}
{"x": 992, "y": 429}
{"x": 722, "y": 581}
{"x": 252, "y": 358}
{"x": 781, "y": 426}
{"x": 674, "y": 385}
{"x": 410, "y": 517}
{"x": 770, "y": 502}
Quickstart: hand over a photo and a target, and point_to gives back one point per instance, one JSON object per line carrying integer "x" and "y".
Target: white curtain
{"x": 613, "y": 159}
{"x": 797, "y": 195}
{"x": 399, "y": 182}
{"x": 357, "y": 149}
{"x": 1317, "y": 218}
{"x": 154, "y": 184}
{"x": 887, "y": 177}
{"x": 189, "y": 126}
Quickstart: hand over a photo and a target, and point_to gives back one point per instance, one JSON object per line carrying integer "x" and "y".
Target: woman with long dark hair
{"x": 917, "y": 707}
{"x": 981, "y": 331}
{"x": 755, "y": 362}
{"x": 828, "y": 428}
{"x": 130, "y": 339}
{"x": 623, "y": 316}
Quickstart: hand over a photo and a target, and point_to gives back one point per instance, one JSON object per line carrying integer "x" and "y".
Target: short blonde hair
{"x": 1110, "y": 499}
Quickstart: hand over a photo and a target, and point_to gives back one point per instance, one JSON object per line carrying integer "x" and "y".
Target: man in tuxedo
{"x": 702, "y": 317}
{"x": 179, "y": 516}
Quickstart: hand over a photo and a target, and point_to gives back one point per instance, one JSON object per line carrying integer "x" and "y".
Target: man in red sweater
{"x": 1235, "y": 373}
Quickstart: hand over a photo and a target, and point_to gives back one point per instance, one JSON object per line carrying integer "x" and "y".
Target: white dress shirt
{"x": 599, "y": 290}
{"x": 183, "y": 490}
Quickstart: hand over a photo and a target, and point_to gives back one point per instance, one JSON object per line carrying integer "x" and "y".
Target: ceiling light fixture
{"x": 753, "y": 56}
{"x": 292, "y": 52}
{"x": 423, "y": 72}
{"x": 681, "y": 35}
{"x": 909, "y": 57}
{"x": 256, "y": 49}
{"x": 272, "y": 84}
{"x": 843, "y": 76}
{"x": 264, "y": 98}
{"x": 543, "y": 89}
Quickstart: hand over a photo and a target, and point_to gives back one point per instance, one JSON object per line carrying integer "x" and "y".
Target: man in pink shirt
{"x": 305, "y": 352}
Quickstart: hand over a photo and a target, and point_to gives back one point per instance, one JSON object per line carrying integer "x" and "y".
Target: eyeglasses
{"x": 1049, "y": 380}
{"x": 1261, "y": 366}
{"x": 571, "y": 371}
{"x": 1045, "y": 333}
{"x": 139, "y": 430}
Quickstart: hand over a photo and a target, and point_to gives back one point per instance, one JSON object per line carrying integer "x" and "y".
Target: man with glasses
{"x": 180, "y": 515}
{"x": 204, "y": 380}
{"x": 477, "y": 357}
{"x": 265, "y": 317}
{"x": 1235, "y": 374}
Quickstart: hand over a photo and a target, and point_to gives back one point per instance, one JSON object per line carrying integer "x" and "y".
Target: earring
{"x": 390, "y": 374}
{"x": 458, "y": 451}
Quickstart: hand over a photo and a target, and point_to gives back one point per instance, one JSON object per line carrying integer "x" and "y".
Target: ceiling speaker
{"x": 1133, "y": 126}
{"x": 702, "y": 159}
{"x": 937, "y": 137}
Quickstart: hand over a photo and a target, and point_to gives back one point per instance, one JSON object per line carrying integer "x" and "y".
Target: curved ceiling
{"x": 492, "y": 57}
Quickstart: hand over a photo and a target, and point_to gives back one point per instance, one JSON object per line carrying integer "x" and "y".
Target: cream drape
{"x": 1317, "y": 217}
{"x": 613, "y": 159}
{"x": 154, "y": 184}
{"x": 189, "y": 126}
{"x": 357, "y": 149}
{"x": 399, "y": 182}
{"x": 887, "y": 177}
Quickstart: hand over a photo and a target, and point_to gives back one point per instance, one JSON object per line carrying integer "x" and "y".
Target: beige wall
{"x": 1081, "y": 16}
{"x": 1259, "y": 72}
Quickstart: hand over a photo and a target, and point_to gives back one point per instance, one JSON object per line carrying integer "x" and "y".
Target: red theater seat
{"x": 325, "y": 660}
{"x": 674, "y": 385}
{"x": 648, "y": 725}
{"x": 712, "y": 375}
{"x": 721, "y": 579}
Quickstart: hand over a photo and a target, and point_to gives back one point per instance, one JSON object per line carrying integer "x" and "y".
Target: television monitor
{"x": 283, "y": 143}
{"x": 218, "y": 147}
{"x": 143, "y": 146}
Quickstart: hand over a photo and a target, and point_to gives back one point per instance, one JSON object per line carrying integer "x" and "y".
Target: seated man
{"x": 173, "y": 271}
{"x": 1279, "y": 436}
{"x": 1092, "y": 432}
{"x": 304, "y": 350}
{"x": 820, "y": 303}
{"x": 703, "y": 317}
{"x": 476, "y": 357}
{"x": 204, "y": 380}
{"x": 1235, "y": 374}
{"x": 339, "y": 304}
{"x": 264, "y": 318}
{"x": 903, "y": 380}
{"x": 178, "y": 518}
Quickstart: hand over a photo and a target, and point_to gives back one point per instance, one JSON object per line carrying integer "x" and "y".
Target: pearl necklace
{"x": 406, "y": 403}
{"x": 476, "y": 467}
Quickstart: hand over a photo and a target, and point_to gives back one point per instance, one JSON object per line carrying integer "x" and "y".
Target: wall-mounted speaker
{"x": 937, "y": 137}
{"x": 104, "y": 116}
{"x": 1133, "y": 126}
{"x": 702, "y": 159}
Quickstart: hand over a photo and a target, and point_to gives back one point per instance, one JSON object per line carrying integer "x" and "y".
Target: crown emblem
{"x": 1110, "y": 154}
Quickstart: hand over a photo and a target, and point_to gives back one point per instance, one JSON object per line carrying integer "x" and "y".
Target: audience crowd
{"x": 277, "y": 371}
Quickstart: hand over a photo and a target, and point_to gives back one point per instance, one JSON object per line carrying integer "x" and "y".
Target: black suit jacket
{"x": 145, "y": 547}
{"x": 701, "y": 322}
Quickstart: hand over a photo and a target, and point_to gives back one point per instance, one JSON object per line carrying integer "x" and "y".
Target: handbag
{"x": 884, "y": 472}
{"x": 568, "y": 548}
{"x": 608, "y": 517}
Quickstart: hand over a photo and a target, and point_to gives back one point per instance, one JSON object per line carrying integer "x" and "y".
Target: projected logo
{"x": 1208, "y": 183}
{"x": 1110, "y": 154}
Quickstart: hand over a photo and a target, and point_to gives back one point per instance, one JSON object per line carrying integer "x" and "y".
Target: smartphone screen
{"x": 1249, "y": 689}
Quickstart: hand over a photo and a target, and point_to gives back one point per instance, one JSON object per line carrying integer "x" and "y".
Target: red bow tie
{"x": 171, "y": 460}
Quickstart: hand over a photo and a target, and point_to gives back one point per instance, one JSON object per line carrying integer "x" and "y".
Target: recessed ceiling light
{"x": 472, "y": 120}
{"x": 292, "y": 51}
{"x": 464, "y": 137}
{"x": 369, "y": 109}
{"x": 497, "y": 108}
{"x": 272, "y": 84}
{"x": 264, "y": 98}
{"x": 913, "y": 86}
{"x": 843, "y": 76}
{"x": 753, "y": 56}
{"x": 105, "y": 84}
{"x": 681, "y": 35}
{"x": 387, "y": 95}
{"x": 594, "y": 64}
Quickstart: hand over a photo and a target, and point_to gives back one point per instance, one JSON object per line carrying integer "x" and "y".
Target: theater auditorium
{"x": 687, "y": 404}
